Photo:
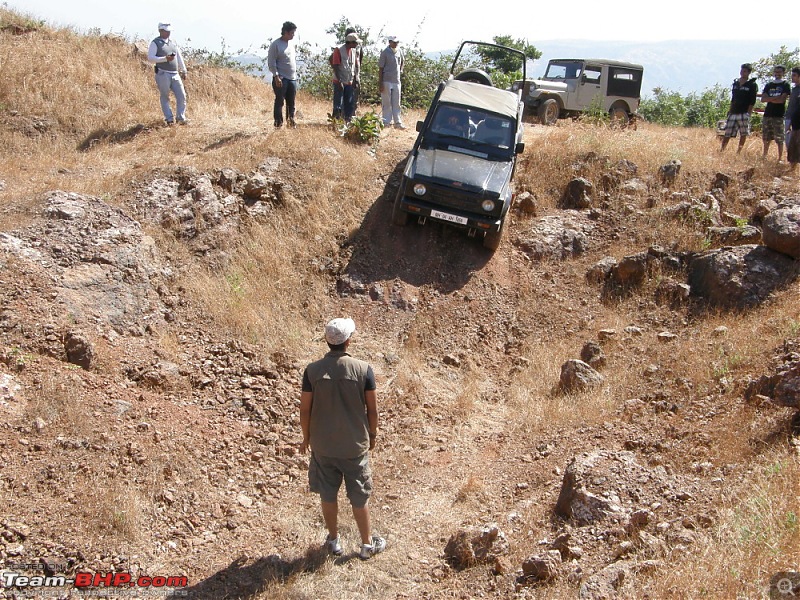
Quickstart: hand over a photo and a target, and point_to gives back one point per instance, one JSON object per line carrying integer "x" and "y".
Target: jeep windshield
{"x": 561, "y": 70}
{"x": 476, "y": 127}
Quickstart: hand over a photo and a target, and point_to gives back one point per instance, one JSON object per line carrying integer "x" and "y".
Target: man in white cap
{"x": 390, "y": 67}
{"x": 339, "y": 419}
{"x": 169, "y": 66}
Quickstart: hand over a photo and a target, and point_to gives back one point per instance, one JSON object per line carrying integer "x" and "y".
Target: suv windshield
{"x": 472, "y": 124}
{"x": 565, "y": 69}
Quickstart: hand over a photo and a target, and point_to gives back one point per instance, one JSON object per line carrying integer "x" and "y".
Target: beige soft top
{"x": 482, "y": 96}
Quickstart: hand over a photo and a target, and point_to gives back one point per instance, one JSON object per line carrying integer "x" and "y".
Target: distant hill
{"x": 682, "y": 66}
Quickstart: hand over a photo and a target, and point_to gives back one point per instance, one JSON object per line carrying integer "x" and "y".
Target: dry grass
{"x": 757, "y": 534}
{"x": 57, "y": 401}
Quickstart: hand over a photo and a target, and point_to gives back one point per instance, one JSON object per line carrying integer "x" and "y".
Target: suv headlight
{"x": 514, "y": 86}
{"x": 419, "y": 189}
{"x": 488, "y": 205}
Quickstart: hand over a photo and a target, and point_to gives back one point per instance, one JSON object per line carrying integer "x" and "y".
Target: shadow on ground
{"x": 112, "y": 137}
{"x": 434, "y": 254}
{"x": 243, "y": 579}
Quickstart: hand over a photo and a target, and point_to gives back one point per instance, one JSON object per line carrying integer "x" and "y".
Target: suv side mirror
{"x": 419, "y": 125}
{"x": 519, "y": 148}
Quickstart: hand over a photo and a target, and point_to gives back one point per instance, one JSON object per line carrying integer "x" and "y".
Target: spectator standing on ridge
{"x": 793, "y": 114}
{"x": 357, "y": 82}
{"x": 743, "y": 98}
{"x": 346, "y": 65}
{"x": 169, "y": 66}
{"x": 282, "y": 65}
{"x": 794, "y": 97}
{"x": 390, "y": 67}
{"x": 774, "y": 95}
{"x": 339, "y": 419}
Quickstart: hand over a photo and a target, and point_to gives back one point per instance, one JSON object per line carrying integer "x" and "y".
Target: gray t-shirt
{"x": 338, "y": 382}
{"x": 391, "y": 61}
{"x": 281, "y": 59}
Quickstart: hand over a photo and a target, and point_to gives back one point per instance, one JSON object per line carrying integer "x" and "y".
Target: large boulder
{"x": 781, "y": 231}
{"x": 740, "y": 277}
{"x": 556, "y": 237}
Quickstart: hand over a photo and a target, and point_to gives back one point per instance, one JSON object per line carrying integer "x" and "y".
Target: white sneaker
{"x": 400, "y": 126}
{"x": 369, "y": 550}
{"x": 334, "y": 546}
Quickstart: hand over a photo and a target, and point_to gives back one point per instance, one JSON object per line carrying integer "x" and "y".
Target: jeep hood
{"x": 551, "y": 86}
{"x": 455, "y": 169}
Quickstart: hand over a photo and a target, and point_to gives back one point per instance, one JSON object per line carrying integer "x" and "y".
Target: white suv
{"x": 571, "y": 85}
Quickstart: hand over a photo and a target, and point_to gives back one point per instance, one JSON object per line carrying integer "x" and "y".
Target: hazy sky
{"x": 435, "y": 26}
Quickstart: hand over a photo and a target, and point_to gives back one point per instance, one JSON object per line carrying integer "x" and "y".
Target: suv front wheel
{"x": 492, "y": 239}
{"x": 399, "y": 216}
{"x": 548, "y": 112}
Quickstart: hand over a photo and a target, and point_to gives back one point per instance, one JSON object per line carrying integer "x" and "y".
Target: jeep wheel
{"x": 548, "y": 112}
{"x": 399, "y": 216}
{"x": 619, "y": 116}
{"x": 492, "y": 240}
{"x": 475, "y": 76}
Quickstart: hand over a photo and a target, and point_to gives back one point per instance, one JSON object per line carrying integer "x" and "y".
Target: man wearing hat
{"x": 346, "y": 63}
{"x": 339, "y": 419}
{"x": 169, "y": 66}
{"x": 390, "y": 65}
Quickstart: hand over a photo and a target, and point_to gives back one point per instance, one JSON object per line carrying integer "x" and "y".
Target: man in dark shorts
{"x": 339, "y": 418}
{"x": 743, "y": 98}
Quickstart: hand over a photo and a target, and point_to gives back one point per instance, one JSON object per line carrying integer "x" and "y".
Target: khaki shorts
{"x": 325, "y": 476}
{"x": 773, "y": 128}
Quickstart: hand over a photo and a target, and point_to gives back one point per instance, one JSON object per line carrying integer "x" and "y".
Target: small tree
{"x": 763, "y": 67}
{"x": 503, "y": 67}
{"x": 667, "y": 108}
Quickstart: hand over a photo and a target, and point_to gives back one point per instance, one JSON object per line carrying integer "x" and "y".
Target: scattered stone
{"x": 577, "y": 195}
{"x": 733, "y": 236}
{"x": 592, "y": 354}
{"x": 466, "y": 549}
{"x": 671, "y": 293}
{"x": 526, "y": 204}
{"x": 721, "y": 181}
{"x": 79, "y": 349}
{"x": 576, "y": 375}
{"x": 542, "y": 567}
{"x": 781, "y": 231}
{"x": 669, "y": 172}
{"x": 601, "y": 270}
{"x": 666, "y": 336}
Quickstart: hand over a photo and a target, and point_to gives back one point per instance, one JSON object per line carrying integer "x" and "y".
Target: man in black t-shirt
{"x": 774, "y": 95}
{"x": 743, "y": 98}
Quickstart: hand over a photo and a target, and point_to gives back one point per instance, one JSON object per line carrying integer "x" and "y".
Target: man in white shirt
{"x": 390, "y": 65}
{"x": 169, "y": 66}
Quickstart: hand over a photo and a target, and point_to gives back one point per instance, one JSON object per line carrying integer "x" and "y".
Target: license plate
{"x": 448, "y": 217}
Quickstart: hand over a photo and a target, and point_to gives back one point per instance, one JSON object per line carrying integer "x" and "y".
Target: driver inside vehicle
{"x": 452, "y": 121}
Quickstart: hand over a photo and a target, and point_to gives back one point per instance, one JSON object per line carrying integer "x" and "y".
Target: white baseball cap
{"x": 393, "y": 38}
{"x": 338, "y": 331}
{"x": 165, "y": 26}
